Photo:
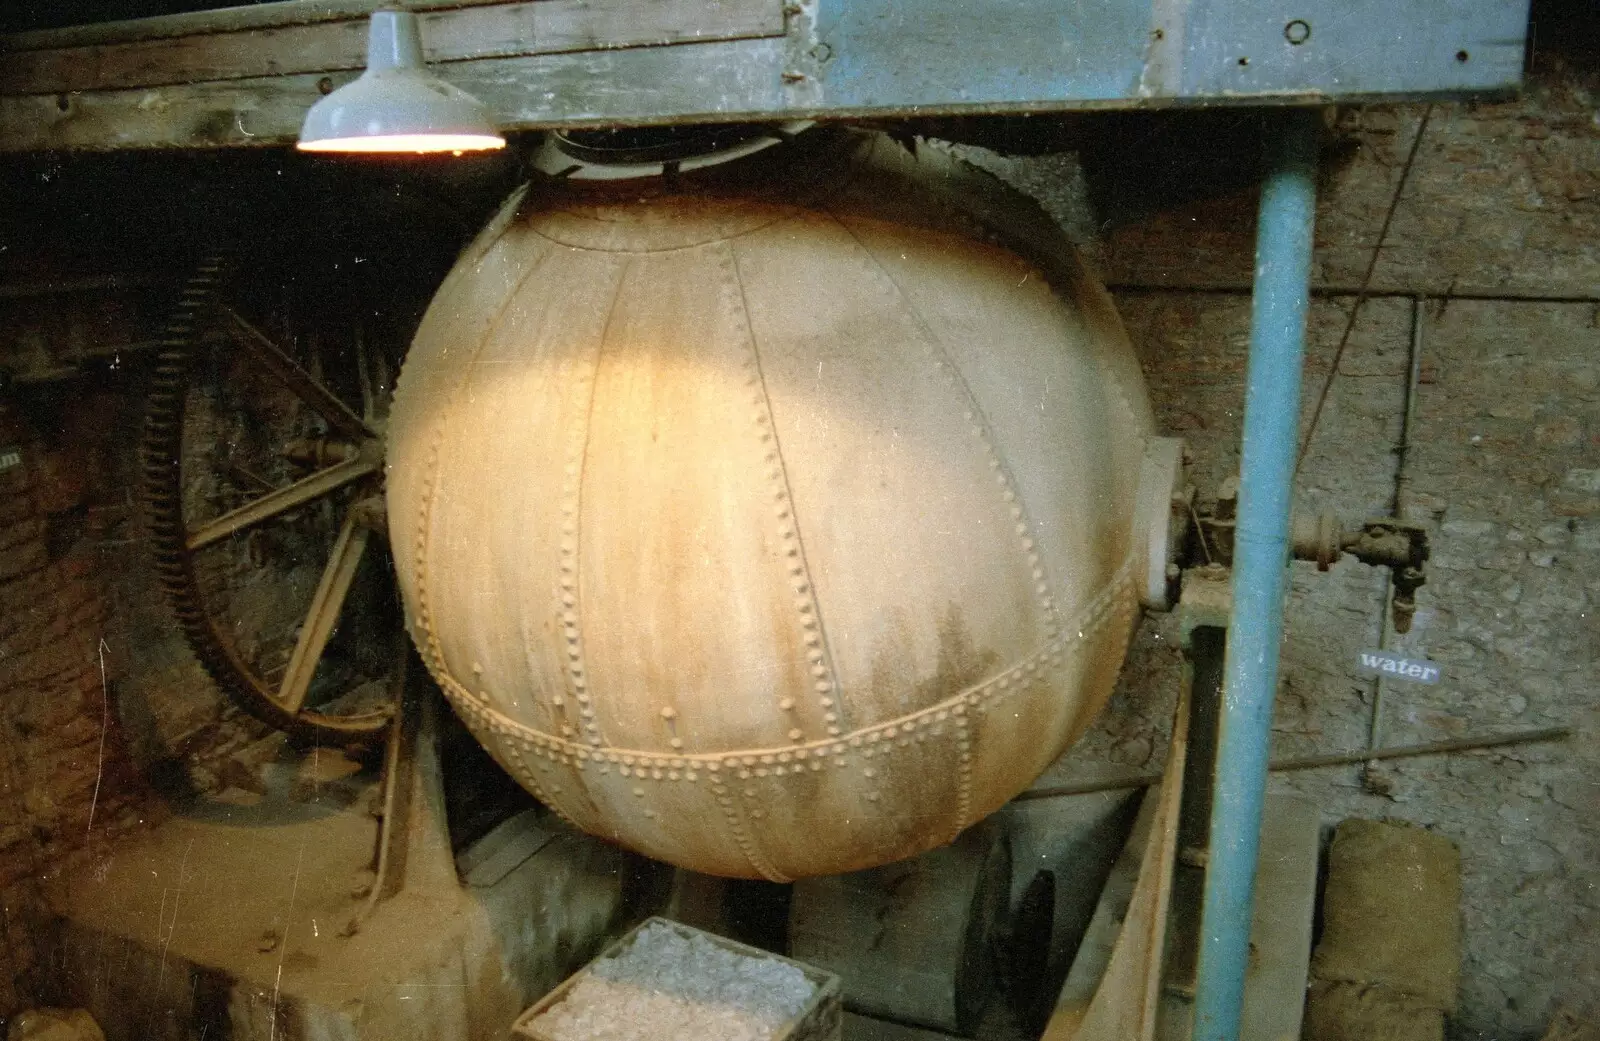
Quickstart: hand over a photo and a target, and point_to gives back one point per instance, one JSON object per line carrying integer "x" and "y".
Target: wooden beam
{"x": 161, "y": 53}
{"x": 275, "y": 15}
{"x": 590, "y": 88}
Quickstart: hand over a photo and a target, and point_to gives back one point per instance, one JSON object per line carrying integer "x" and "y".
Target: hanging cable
{"x": 1366, "y": 284}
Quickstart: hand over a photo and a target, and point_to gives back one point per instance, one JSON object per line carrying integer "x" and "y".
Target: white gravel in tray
{"x": 667, "y": 986}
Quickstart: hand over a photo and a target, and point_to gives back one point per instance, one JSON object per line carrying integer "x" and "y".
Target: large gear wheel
{"x": 263, "y": 466}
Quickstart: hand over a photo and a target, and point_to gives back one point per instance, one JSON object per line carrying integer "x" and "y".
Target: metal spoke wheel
{"x": 263, "y": 471}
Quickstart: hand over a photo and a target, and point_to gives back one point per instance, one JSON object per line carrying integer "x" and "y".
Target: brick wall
{"x": 66, "y": 783}
{"x": 1503, "y": 205}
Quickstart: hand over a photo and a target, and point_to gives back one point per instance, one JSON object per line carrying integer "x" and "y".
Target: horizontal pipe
{"x": 1319, "y": 762}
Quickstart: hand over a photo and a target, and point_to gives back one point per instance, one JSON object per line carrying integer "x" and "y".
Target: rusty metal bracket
{"x": 413, "y": 843}
{"x": 1323, "y": 539}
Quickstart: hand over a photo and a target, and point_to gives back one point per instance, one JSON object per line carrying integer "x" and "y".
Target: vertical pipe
{"x": 1260, "y": 569}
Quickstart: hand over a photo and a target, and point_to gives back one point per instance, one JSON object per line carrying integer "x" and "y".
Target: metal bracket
{"x": 1162, "y": 506}
{"x": 413, "y": 844}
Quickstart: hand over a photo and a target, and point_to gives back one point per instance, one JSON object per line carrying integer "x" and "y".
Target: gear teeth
{"x": 160, "y": 448}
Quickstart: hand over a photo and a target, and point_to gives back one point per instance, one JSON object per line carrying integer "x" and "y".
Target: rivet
{"x": 558, "y": 701}
{"x": 639, "y": 792}
{"x": 744, "y": 775}
{"x": 830, "y": 717}
{"x": 787, "y": 704}
{"x": 872, "y": 796}
{"x": 691, "y": 776}
{"x": 676, "y": 742}
{"x": 815, "y": 766}
{"x": 833, "y": 731}
{"x": 713, "y": 767}
{"x": 823, "y": 686}
{"x": 624, "y": 771}
{"x": 668, "y": 712}
{"x": 795, "y": 735}
{"x": 477, "y": 670}
{"x": 656, "y": 773}
{"x": 869, "y": 772}
{"x": 761, "y": 771}
{"x": 749, "y": 793}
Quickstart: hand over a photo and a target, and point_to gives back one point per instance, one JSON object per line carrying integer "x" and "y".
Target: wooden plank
{"x": 492, "y": 31}
{"x": 219, "y": 19}
{"x": 1280, "y": 926}
{"x": 592, "y": 88}
{"x": 1125, "y": 1001}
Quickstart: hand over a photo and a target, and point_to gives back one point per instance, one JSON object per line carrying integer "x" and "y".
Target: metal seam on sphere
{"x": 434, "y": 649}
{"x": 1112, "y": 604}
{"x": 1030, "y": 259}
{"x": 831, "y": 698}
{"x": 785, "y": 213}
{"x": 569, "y": 585}
{"x": 979, "y": 427}
{"x": 736, "y": 825}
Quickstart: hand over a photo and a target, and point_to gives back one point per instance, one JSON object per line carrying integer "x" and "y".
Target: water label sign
{"x": 1418, "y": 670}
{"x": 9, "y": 458}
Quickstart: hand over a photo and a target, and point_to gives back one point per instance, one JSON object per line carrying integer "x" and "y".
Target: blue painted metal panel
{"x": 924, "y": 53}
{"x": 952, "y": 55}
{"x": 1354, "y": 48}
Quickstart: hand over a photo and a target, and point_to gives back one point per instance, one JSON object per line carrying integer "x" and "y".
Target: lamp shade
{"x": 397, "y": 105}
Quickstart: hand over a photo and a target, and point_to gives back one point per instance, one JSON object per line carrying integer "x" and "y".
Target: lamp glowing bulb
{"x": 397, "y": 106}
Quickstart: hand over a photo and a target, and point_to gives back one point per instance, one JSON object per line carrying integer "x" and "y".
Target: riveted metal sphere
{"x": 775, "y": 522}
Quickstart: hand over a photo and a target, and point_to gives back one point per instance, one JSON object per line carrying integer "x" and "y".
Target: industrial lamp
{"x": 397, "y": 105}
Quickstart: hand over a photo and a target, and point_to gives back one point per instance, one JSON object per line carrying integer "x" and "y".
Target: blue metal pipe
{"x": 1260, "y": 570}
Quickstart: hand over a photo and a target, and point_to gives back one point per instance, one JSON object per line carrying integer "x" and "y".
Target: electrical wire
{"x": 1366, "y": 284}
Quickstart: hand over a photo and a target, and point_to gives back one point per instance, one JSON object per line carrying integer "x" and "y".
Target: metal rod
{"x": 1334, "y": 292}
{"x": 1397, "y": 509}
{"x": 1318, "y": 762}
{"x": 1260, "y": 568}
